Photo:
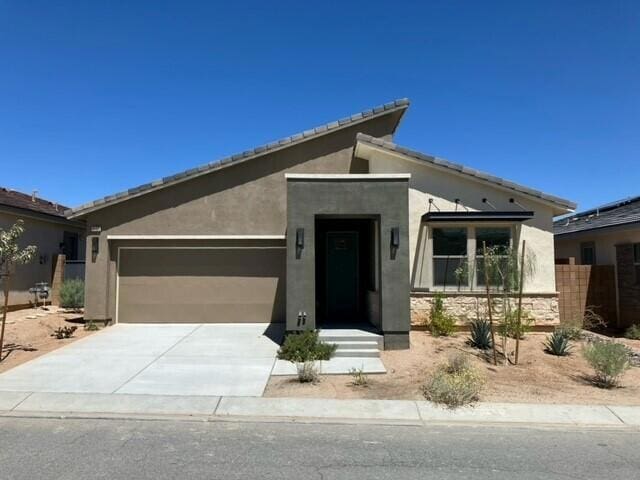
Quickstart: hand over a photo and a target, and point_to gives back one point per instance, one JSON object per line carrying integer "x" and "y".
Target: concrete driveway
{"x": 159, "y": 359}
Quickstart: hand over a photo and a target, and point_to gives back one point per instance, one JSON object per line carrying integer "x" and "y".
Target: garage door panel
{"x": 201, "y": 286}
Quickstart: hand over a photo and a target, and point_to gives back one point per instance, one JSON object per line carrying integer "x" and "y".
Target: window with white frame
{"x": 497, "y": 240}
{"x": 449, "y": 254}
{"x": 457, "y": 255}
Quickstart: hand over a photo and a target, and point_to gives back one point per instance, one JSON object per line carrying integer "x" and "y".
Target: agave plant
{"x": 480, "y": 334}
{"x": 558, "y": 344}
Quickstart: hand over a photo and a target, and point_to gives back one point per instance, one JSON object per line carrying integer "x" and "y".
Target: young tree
{"x": 10, "y": 256}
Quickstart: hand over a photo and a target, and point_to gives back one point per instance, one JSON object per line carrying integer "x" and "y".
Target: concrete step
{"x": 358, "y": 353}
{"x": 351, "y": 336}
{"x": 356, "y": 345}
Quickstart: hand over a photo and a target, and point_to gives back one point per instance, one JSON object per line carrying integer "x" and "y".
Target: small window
{"x": 449, "y": 254}
{"x": 588, "y": 253}
{"x": 497, "y": 239}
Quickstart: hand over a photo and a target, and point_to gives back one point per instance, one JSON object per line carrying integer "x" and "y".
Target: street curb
{"x": 306, "y": 410}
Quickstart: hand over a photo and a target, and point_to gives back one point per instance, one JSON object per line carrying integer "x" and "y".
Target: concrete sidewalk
{"x": 310, "y": 410}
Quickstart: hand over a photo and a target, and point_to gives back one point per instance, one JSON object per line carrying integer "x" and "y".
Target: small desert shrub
{"x": 441, "y": 323}
{"x": 558, "y": 344}
{"x": 91, "y": 326}
{"x": 569, "y": 332}
{"x": 609, "y": 360}
{"x": 633, "y": 332}
{"x": 480, "y": 334}
{"x": 358, "y": 377}
{"x": 509, "y": 327}
{"x": 64, "y": 332}
{"x": 307, "y": 372}
{"x": 304, "y": 349}
{"x": 72, "y": 294}
{"x": 454, "y": 383}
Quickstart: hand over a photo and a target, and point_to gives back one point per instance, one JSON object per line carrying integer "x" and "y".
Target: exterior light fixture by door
{"x": 299, "y": 242}
{"x": 395, "y": 237}
{"x": 95, "y": 242}
{"x": 300, "y": 237}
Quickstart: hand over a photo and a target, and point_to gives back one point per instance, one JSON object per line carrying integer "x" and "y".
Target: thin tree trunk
{"x": 4, "y": 313}
{"x": 486, "y": 282}
{"x": 520, "y": 287}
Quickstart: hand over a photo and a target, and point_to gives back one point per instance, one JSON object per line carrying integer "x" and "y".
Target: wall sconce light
{"x": 395, "y": 237}
{"x": 300, "y": 237}
{"x": 95, "y": 242}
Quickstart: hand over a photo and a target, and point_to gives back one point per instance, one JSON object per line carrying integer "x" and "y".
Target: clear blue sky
{"x": 97, "y": 97}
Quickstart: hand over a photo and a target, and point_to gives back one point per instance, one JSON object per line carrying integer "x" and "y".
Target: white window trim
{"x": 472, "y": 284}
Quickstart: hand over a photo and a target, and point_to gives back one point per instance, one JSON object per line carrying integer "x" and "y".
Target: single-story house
{"x": 334, "y": 226}
{"x": 607, "y": 235}
{"x": 49, "y": 230}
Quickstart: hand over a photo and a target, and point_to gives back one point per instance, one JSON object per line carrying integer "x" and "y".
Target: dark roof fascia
{"x": 493, "y": 216}
{"x": 45, "y": 217}
{"x": 466, "y": 171}
{"x": 399, "y": 105}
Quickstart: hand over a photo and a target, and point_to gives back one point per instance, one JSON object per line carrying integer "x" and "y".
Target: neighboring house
{"x": 607, "y": 235}
{"x": 335, "y": 226}
{"x": 47, "y": 228}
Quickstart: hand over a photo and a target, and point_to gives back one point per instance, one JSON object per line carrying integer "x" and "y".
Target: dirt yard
{"x": 539, "y": 378}
{"x": 28, "y": 334}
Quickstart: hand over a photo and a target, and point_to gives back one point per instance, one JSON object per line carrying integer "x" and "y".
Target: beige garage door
{"x": 201, "y": 285}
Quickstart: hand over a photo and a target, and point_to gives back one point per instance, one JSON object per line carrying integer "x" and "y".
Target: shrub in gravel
{"x": 633, "y": 332}
{"x": 480, "y": 331}
{"x": 454, "y": 383}
{"x": 305, "y": 347}
{"x": 609, "y": 360}
{"x": 72, "y": 294}
{"x": 558, "y": 344}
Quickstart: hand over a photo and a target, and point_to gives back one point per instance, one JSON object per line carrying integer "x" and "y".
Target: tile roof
{"x": 620, "y": 212}
{"x": 396, "y": 105}
{"x": 25, "y": 201}
{"x": 471, "y": 172}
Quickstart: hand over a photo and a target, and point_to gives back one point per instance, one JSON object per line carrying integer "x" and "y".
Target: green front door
{"x": 342, "y": 276}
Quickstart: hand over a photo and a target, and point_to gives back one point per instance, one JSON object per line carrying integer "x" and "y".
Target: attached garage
{"x": 182, "y": 284}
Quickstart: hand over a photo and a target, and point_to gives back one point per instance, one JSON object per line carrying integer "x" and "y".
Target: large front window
{"x": 458, "y": 258}
{"x": 449, "y": 256}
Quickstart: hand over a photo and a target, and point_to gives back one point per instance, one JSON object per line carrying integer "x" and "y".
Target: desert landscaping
{"x": 538, "y": 378}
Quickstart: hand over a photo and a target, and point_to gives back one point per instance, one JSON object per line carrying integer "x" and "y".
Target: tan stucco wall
{"x": 444, "y": 188}
{"x": 244, "y": 199}
{"x": 45, "y": 235}
{"x": 605, "y": 241}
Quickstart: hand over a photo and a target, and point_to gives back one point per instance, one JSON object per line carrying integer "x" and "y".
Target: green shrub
{"x": 64, "y": 332}
{"x": 570, "y": 332}
{"x": 480, "y": 334}
{"x": 609, "y": 360}
{"x": 91, "y": 326}
{"x": 509, "y": 327}
{"x": 72, "y": 294}
{"x": 633, "y": 332}
{"x": 305, "y": 347}
{"x": 441, "y": 323}
{"x": 454, "y": 383}
{"x": 558, "y": 344}
{"x": 307, "y": 372}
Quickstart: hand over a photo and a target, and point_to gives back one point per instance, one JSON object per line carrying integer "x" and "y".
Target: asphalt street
{"x": 38, "y": 448}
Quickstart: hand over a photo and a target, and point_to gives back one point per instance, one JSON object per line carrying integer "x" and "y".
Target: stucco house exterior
{"x": 607, "y": 235}
{"x": 335, "y": 226}
{"x": 47, "y": 228}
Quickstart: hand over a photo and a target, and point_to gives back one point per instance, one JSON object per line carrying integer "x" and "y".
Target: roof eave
{"x": 558, "y": 205}
{"x": 400, "y": 105}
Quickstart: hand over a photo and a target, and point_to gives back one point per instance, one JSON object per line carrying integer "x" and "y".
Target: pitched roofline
{"x": 559, "y": 203}
{"x": 600, "y": 209}
{"x": 399, "y": 105}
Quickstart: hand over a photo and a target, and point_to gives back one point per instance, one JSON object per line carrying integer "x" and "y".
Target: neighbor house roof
{"x": 621, "y": 212}
{"x": 366, "y": 115}
{"x": 14, "y": 199}
{"x": 565, "y": 205}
